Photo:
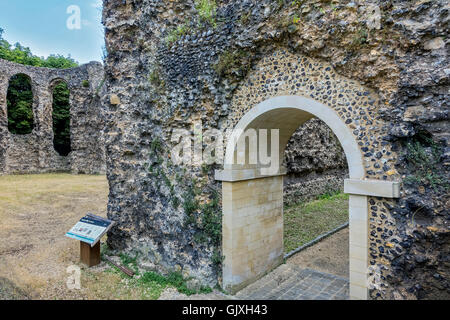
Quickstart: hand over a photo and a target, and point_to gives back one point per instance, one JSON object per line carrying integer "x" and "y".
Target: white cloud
{"x": 98, "y": 4}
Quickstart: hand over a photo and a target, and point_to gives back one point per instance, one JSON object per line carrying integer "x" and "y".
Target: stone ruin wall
{"x": 311, "y": 169}
{"x": 315, "y": 163}
{"x": 155, "y": 85}
{"x": 34, "y": 152}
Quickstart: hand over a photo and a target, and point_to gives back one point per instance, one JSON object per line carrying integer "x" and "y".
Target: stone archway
{"x": 252, "y": 230}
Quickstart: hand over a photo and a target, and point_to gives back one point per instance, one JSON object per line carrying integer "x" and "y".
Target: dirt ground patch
{"x": 9, "y": 291}
{"x": 37, "y": 210}
{"x": 35, "y": 213}
{"x": 330, "y": 255}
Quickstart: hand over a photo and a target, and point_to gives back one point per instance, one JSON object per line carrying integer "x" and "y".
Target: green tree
{"x": 19, "y": 100}
{"x": 20, "y": 96}
{"x": 59, "y": 62}
{"x": 61, "y": 119}
{"x": 23, "y": 55}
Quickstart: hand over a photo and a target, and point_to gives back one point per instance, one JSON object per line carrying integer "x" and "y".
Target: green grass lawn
{"x": 305, "y": 221}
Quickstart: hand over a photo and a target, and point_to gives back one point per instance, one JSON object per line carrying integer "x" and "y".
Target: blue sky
{"x": 41, "y": 25}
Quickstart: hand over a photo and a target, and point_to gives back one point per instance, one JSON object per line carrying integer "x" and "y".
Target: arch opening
{"x": 61, "y": 117}
{"x": 252, "y": 230}
{"x": 19, "y": 101}
{"x": 315, "y": 163}
{"x": 314, "y": 204}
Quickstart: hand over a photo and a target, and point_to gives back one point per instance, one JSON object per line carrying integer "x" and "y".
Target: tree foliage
{"x": 19, "y": 100}
{"x": 61, "y": 119}
{"x": 20, "y": 96}
{"x": 23, "y": 55}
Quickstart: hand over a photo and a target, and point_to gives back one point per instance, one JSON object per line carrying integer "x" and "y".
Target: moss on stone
{"x": 423, "y": 156}
{"x": 206, "y": 218}
{"x": 156, "y": 80}
{"x": 175, "y": 34}
{"x": 233, "y": 62}
{"x": 207, "y": 11}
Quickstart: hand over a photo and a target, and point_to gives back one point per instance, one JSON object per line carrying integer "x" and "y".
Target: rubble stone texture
{"x": 34, "y": 152}
{"x": 315, "y": 163}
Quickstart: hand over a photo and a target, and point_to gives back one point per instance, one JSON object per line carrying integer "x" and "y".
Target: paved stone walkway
{"x": 287, "y": 282}
{"x": 290, "y": 282}
{"x": 308, "y": 275}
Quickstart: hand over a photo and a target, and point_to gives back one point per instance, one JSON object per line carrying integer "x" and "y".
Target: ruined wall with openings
{"x": 34, "y": 152}
{"x": 169, "y": 64}
{"x": 315, "y": 163}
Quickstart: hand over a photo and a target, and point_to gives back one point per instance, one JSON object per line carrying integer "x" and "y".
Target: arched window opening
{"x": 19, "y": 101}
{"x": 61, "y": 118}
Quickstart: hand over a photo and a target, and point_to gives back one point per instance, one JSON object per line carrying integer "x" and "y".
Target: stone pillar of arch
{"x": 252, "y": 231}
